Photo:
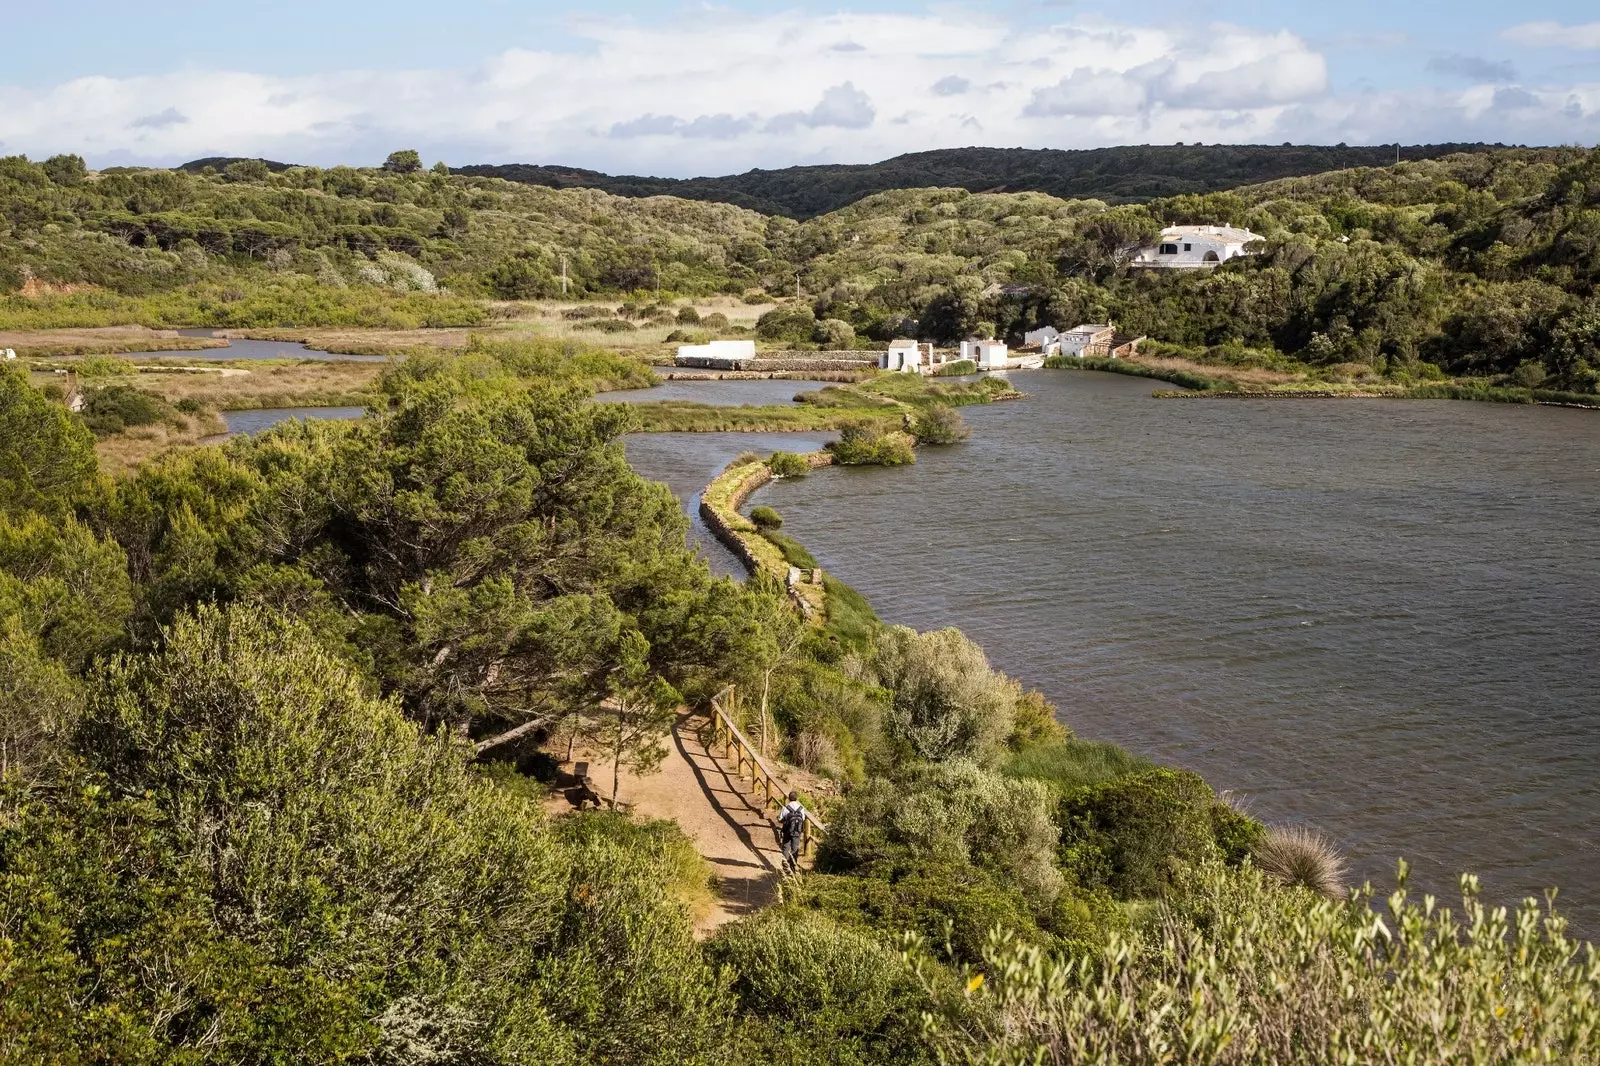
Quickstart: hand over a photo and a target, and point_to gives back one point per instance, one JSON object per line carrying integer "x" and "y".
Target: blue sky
{"x": 700, "y": 88}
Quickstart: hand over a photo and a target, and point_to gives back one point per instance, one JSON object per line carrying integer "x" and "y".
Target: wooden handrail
{"x": 738, "y": 748}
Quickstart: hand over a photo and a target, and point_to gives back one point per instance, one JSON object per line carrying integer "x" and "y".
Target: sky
{"x": 685, "y": 89}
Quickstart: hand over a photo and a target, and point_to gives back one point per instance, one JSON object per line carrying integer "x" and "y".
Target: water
{"x": 755, "y": 392}
{"x": 248, "y": 422}
{"x": 687, "y": 462}
{"x": 246, "y": 349}
{"x": 1378, "y": 617}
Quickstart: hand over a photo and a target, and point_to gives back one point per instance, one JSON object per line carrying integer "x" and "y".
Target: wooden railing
{"x": 738, "y": 750}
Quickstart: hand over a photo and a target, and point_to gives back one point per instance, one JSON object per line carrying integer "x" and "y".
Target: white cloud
{"x": 1554, "y": 35}
{"x": 715, "y": 92}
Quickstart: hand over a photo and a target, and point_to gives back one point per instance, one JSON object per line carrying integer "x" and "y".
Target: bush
{"x": 792, "y": 323}
{"x": 953, "y": 904}
{"x": 939, "y": 424}
{"x": 110, "y": 410}
{"x": 766, "y": 519}
{"x": 956, "y": 368}
{"x": 834, "y": 334}
{"x": 1136, "y": 834}
{"x": 1296, "y": 855}
{"x": 864, "y": 444}
{"x": 788, "y": 464}
{"x": 816, "y": 991}
{"x": 954, "y": 812}
{"x": 688, "y": 316}
{"x": 1306, "y": 984}
{"x": 105, "y": 366}
{"x": 716, "y": 320}
{"x": 580, "y": 314}
{"x": 756, "y": 296}
{"x": 608, "y": 325}
{"x": 948, "y": 703}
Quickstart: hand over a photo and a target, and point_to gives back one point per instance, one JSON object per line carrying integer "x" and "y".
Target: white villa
{"x": 1195, "y": 247}
{"x": 717, "y": 355}
{"x": 988, "y": 354}
{"x": 1082, "y": 340}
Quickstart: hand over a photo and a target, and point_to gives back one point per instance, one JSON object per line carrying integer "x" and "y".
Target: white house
{"x": 1047, "y": 339}
{"x": 1195, "y": 247}
{"x": 9, "y": 354}
{"x": 1088, "y": 340}
{"x": 718, "y": 355}
{"x": 988, "y": 354}
{"x": 903, "y": 355}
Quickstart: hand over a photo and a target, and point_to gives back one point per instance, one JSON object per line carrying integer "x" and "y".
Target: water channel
{"x": 1379, "y": 617}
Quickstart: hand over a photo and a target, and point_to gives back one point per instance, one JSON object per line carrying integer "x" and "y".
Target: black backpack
{"x": 793, "y": 823}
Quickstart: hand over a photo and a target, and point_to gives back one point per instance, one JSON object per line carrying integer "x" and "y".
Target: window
{"x": 1169, "y": 249}
{"x": 1211, "y": 257}
{"x": 1188, "y": 247}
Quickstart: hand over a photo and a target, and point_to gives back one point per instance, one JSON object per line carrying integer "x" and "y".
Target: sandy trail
{"x": 710, "y": 805}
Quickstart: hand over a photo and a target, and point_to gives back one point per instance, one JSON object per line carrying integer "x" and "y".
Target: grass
{"x": 850, "y": 618}
{"x": 1072, "y": 764}
{"x": 794, "y": 553}
{"x": 1296, "y": 855}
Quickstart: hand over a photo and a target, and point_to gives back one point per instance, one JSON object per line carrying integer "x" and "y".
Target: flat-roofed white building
{"x": 1089, "y": 339}
{"x": 718, "y": 355}
{"x": 988, "y": 354}
{"x": 1046, "y": 338}
{"x": 1195, "y": 247}
{"x": 904, "y": 356}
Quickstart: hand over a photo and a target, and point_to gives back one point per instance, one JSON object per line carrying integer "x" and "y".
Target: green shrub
{"x": 105, "y": 366}
{"x": 851, "y": 619}
{"x": 953, "y": 812}
{"x": 939, "y": 424}
{"x": 788, "y": 464}
{"x": 108, "y": 411}
{"x": 834, "y": 334}
{"x": 813, "y": 990}
{"x": 47, "y": 461}
{"x": 688, "y": 316}
{"x": 766, "y": 518}
{"x": 1136, "y": 834}
{"x": 948, "y": 702}
{"x": 792, "y": 323}
{"x": 956, "y": 368}
{"x": 607, "y": 325}
{"x": 715, "y": 321}
{"x": 1034, "y": 723}
{"x": 953, "y": 904}
{"x": 865, "y": 444}
{"x": 1250, "y": 974}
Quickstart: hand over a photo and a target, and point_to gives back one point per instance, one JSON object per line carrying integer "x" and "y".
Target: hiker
{"x": 792, "y": 832}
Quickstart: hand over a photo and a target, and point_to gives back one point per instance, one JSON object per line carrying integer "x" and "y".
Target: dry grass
{"x": 1244, "y": 376}
{"x": 99, "y": 340}
{"x": 133, "y": 447}
{"x": 269, "y": 385}
{"x": 1297, "y": 855}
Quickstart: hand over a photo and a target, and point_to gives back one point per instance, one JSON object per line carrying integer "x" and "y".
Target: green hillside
{"x": 1125, "y": 174}
{"x": 1472, "y": 264}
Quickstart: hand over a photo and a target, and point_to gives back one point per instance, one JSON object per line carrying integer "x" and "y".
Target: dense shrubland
{"x": 241, "y": 817}
{"x": 1476, "y": 265}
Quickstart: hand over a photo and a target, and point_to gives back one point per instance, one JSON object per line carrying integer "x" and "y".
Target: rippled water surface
{"x": 267, "y": 417}
{"x": 1380, "y": 617}
{"x": 736, "y": 392}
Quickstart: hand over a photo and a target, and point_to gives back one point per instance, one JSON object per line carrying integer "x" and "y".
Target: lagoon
{"x": 1379, "y": 617}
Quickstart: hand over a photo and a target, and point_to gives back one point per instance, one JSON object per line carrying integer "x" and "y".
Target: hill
{"x": 1126, "y": 174}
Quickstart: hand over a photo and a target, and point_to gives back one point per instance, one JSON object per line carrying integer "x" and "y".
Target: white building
{"x": 1195, "y": 247}
{"x": 904, "y": 356}
{"x": 1047, "y": 339}
{"x": 988, "y": 354}
{"x": 718, "y": 355}
{"x": 1088, "y": 340}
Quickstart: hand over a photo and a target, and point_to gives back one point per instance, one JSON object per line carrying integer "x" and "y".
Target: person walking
{"x": 792, "y": 832}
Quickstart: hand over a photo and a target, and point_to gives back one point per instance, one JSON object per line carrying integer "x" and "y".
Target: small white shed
{"x": 1047, "y": 339}
{"x": 904, "y": 356}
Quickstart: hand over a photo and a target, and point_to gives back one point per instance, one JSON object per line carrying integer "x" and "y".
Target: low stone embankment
{"x": 791, "y": 360}
{"x": 719, "y": 506}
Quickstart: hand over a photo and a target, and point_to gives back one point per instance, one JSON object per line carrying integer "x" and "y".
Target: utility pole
{"x": 563, "y": 273}
{"x": 797, "y": 286}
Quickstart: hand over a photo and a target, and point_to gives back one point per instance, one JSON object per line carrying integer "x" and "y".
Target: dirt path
{"x": 710, "y": 805}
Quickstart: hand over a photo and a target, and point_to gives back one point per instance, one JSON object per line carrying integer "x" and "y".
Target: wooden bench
{"x": 585, "y": 792}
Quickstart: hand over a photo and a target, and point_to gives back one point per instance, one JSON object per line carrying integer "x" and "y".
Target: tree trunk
{"x": 766, "y": 685}
{"x": 616, "y": 763}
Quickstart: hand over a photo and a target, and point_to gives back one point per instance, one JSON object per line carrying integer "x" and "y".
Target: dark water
{"x": 256, "y": 421}
{"x": 246, "y": 349}
{"x": 688, "y": 461}
{"x": 756, "y": 392}
{"x": 1378, "y": 617}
